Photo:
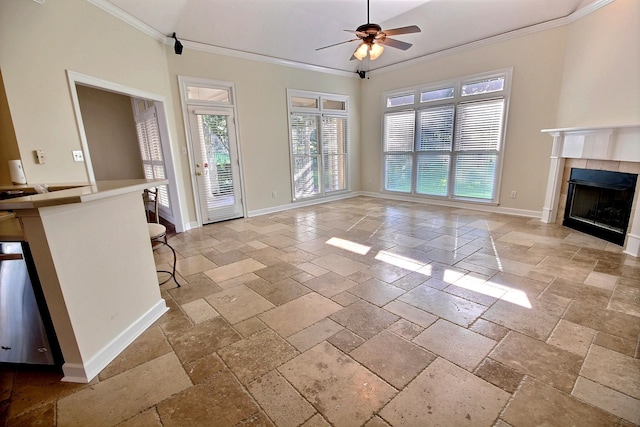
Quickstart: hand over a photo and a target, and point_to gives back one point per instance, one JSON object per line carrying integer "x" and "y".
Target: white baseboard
{"x": 79, "y": 373}
{"x": 454, "y": 204}
{"x": 633, "y": 245}
{"x": 300, "y": 204}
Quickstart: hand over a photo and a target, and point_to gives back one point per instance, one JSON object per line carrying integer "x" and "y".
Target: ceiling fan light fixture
{"x": 361, "y": 51}
{"x": 375, "y": 51}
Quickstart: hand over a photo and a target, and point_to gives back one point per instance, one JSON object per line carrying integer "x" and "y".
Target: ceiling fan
{"x": 372, "y": 38}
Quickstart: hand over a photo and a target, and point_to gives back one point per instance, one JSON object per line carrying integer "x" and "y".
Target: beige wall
{"x": 553, "y": 86}
{"x": 38, "y": 43}
{"x": 262, "y": 117}
{"x": 111, "y": 134}
{"x": 537, "y": 61}
{"x": 8, "y": 143}
{"x": 601, "y": 81}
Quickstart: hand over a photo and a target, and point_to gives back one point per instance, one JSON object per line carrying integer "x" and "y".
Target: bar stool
{"x": 157, "y": 231}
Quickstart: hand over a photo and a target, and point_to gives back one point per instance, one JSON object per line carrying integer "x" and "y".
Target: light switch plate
{"x": 78, "y": 156}
{"x": 39, "y": 156}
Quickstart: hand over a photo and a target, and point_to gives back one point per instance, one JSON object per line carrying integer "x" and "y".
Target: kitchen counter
{"x": 62, "y": 194}
{"x": 92, "y": 252}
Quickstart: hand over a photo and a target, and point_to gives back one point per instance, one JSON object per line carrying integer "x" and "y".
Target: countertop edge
{"x": 83, "y": 193}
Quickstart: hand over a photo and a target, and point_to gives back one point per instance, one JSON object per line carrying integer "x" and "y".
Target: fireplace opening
{"x": 599, "y": 203}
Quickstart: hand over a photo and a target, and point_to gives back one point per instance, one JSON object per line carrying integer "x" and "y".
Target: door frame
{"x": 75, "y": 78}
{"x": 183, "y": 82}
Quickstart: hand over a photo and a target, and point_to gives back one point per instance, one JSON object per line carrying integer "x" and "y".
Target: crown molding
{"x": 261, "y": 58}
{"x": 128, "y": 19}
{"x": 148, "y": 30}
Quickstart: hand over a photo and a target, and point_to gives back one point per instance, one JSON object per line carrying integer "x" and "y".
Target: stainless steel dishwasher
{"x": 26, "y": 333}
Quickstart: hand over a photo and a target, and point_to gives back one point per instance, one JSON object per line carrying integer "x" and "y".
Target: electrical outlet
{"x": 274, "y": 194}
{"x": 39, "y": 156}
{"x": 78, "y": 156}
{"x": 514, "y": 194}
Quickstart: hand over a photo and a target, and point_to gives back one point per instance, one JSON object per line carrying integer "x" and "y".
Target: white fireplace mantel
{"x": 613, "y": 143}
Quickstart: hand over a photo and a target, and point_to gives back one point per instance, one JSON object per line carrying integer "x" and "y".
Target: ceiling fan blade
{"x": 403, "y": 30}
{"x": 336, "y": 44}
{"x": 395, "y": 43}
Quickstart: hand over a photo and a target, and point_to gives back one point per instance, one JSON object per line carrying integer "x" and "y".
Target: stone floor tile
{"x": 150, "y": 345}
{"x": 280, "y": 292}
{"x": 316, "y": 421}
{"x": 579, "y": 292}
{"x": 614, "y": 343}
{"x": 410, "y": 281}
{"x": 123, "y": 396}
{"x": 312, "y": 269}
{"x": 392, "y": 358}
{"x": 345, "y": 340}
{"x": 405, "y": 329}
{"x": 314, "y": 334}
{"x": 249, "y": 326}
{"x": 572, "y": 337}
{"x": 612, "y": 322}
{"x": 43, "y": 416}
{"x": 34, "y": 389}
{"x": 608, "y": 399}
{"x": 226, "y": 258}
{"x": 256, "y": 355}
{"x": 364, "y": 319}
{"x": 193, "y": 265}
{"x": 199, "y": 310}
{"x": 202, "y": 369}
{"x": 441, "y": 304}
{"x": 238, "y": 280}
{"x": 625, "y": 299}
{"x": 456, "y": 344}
{"x": 330, "y": 284}
{"x": 376, "y": 422}
{"x": 499, "y": 375}
{"x": 376, "y": 291}
{"x": 235, "y": 269}
{"x": 298, "y": 314}
{"x": 202, "y": 339}
{"x": 345, "y": 298}
{"x": 536, "y": 404}
{"x": 339, "y": 264}
{"x": 601, "y": 280}
{"x": 489, "y": 329}
{"x": 149, "y": 418}
{"x": 222, "y": 400}
{"x": 548, "y": 364}
{"x": 446, "y": 395}
{"x": 411, "y": 313}
{"x": 613, "y": 369}
{"x": 197, "y": 286}
{"x": 341, "y": 390}
{"x": 536, "y": 319}
{"x": 280, "y": 400}
{"x": 386, "y": 272}
{"x": 238, "y": 303}
{"x": 570, "y": 270}
{"x": 277, "y": 272}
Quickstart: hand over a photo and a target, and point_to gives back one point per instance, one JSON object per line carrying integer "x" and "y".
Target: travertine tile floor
{"x": 371, "y": 312}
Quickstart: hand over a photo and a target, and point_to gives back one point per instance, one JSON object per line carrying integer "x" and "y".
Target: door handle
{"x": 198, "y": 173}
{"x": 197, "y": 165}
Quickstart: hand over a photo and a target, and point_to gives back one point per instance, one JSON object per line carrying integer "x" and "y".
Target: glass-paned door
{"x": 215, "y": 163}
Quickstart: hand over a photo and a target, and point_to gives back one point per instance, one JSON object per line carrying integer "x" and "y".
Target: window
{"x": 446, "y": 140}
{"x": 146, "y": 119}
{"x": 318, "y": 137}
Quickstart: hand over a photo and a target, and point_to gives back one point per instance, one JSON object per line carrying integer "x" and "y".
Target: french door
{"x": 215, "y": 163}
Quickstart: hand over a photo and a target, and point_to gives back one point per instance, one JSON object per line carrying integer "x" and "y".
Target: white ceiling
{"x": 292, "y": 29}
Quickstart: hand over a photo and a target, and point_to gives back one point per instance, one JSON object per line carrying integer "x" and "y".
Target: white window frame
{"x": 458, "y": 99}
{"x": 321, "y": 113}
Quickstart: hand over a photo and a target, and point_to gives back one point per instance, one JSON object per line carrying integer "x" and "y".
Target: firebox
{"x": 599, "y": 203}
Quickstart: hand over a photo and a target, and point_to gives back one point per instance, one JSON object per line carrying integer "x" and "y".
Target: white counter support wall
{"x": 96, "y": 267}
{"x": 618, "y": 144}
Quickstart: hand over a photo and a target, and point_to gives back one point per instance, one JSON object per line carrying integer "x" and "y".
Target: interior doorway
{"x": 103, "y": 159}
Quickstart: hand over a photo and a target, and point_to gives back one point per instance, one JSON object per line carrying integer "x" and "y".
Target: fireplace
{"x": 600, "y": 150}
{"x": 599, "y": 203}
